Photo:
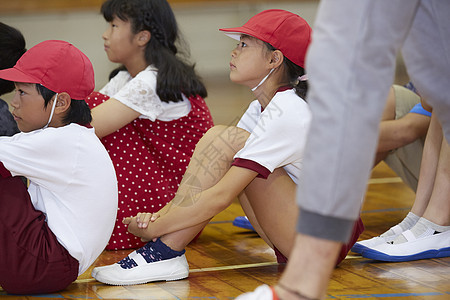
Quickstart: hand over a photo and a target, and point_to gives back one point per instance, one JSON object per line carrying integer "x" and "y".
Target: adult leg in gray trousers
{"x": 351, "y": 64}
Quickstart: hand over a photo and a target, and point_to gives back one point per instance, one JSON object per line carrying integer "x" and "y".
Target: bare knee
{"x": 232, "y": 136}
{"x": 212, "y": 134}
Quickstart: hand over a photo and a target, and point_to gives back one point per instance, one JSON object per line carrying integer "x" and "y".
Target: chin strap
{"x": 51, "y": 113}
{"x": 262, "y": 81}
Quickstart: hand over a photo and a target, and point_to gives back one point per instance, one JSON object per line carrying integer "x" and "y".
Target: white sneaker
{"x": 263, "y": 292}
{"x": 432, "y": 246}
{"x": 361, "y": 246}
{"x": 170, "y": 269}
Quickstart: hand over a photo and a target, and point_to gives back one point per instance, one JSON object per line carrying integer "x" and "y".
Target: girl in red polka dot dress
{"x": 151, "y": 113}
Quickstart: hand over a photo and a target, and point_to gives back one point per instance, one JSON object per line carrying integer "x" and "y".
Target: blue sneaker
{"x": 243, "y": 222}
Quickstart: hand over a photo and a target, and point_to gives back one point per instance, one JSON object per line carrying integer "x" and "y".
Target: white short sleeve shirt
{"x": 277, "y": 135}
{"x": 72, "y": 181}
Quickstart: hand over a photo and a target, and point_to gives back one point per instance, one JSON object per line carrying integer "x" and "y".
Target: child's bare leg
{"x": 427, "y": 177}
{"x": 272, "y": 202}
{"x": 246, "y": 206}
{"x": 428, "y": 167}
{"x": 438, "y": 209}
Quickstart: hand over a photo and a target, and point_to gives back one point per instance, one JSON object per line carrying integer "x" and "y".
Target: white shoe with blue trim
{"x": 431, "y": 246}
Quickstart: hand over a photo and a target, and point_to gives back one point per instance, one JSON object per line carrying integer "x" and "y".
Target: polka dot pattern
{"x": 150, "y": 159}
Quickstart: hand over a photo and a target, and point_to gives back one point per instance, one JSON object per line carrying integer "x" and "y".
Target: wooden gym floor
{"x": 227, "y": 261}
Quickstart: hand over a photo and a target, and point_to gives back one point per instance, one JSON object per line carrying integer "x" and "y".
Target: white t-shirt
{"x": 72, "y": 181}
{"x": 277, "y": 134}
{"x": 139, "y": 94}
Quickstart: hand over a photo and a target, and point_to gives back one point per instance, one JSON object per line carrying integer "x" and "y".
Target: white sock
{"x": 408, "y": 222}
{"x": 423, "y": 228}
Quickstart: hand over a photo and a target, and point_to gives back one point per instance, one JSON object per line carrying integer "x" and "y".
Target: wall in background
{"x": 199, "y": 23}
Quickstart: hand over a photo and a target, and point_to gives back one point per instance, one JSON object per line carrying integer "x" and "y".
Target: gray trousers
{"x": 350, "y": 65}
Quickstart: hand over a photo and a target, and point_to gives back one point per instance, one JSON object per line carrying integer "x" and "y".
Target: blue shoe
{"x": 433, "y": 246}
{"x": 243, "y": 222}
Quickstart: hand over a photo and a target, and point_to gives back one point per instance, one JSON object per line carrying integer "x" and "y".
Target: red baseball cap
{"x": 285, "y": 31}
{"x": 58, "y": 66}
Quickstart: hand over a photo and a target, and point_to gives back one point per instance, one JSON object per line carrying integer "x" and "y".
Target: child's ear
{"x": 277, "y": 58}
{"x": 62, "y": 103}
{"x": 143, "y": 37}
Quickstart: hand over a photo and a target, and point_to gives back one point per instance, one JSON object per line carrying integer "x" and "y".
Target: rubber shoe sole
{"x": 358, "y": 248}
{"x": 165, "y": 270}
{"x": 373, "y": 254}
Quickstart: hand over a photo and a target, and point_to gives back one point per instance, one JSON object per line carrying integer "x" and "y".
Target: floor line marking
{"x": 385, "y": 210}
{"x": 385, "y": 180}
{"x": 233, "y": 267}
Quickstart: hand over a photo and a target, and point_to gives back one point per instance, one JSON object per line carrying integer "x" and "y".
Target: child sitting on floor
{"x": 157, "y": 101}
{"x": 55, "y": 230}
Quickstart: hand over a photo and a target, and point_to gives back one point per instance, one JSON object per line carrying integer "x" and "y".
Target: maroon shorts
{"x": 358, "y": 228}
{"x": 31, "y": 259}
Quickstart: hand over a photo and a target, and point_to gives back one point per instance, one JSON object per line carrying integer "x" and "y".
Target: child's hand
{"x": 143, "y": 219}
{"x": 137, "y": 225}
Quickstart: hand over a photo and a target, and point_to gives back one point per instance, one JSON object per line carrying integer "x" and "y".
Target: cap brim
{"x": 13, "y": 74}
{"x": 235, "y": 33}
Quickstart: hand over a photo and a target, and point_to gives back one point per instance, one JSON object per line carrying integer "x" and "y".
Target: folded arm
{"x": 199, "y": 208}
{"x": 398, "y": 133}
{"x": 110, "y": 116}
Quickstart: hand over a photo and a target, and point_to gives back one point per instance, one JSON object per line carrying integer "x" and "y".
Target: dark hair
{"x": 293, "y": 73}
{"x": 175, "y": 76}
{"x": 12, "y": 47}
{"x": 116, "y": 71}
{"x": 79, "y": 111}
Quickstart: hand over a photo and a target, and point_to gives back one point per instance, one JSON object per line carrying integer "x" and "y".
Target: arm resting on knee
{"x": 202, "y": 207}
